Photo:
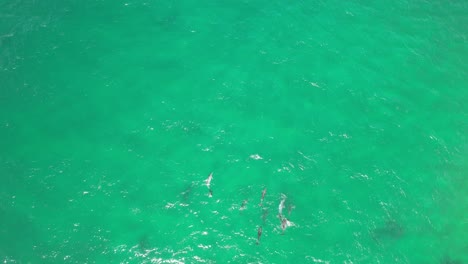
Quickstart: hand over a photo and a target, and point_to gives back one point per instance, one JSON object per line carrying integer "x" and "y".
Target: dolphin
{"x": 263, "y": 196}
{"x": 281, "y": 205}
{"x": 208, "y": 180}
{"x": 259, "y": 234}
{"x": 244, "y": 204}
{"x": 290, "y": 207}
{"x": 285, "y": 223}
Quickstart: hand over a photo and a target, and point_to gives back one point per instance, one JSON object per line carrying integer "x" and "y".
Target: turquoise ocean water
{"x": 113, "y": 113}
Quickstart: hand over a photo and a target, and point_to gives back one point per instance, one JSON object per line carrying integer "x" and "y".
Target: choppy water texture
{"x": 113, "y": 113}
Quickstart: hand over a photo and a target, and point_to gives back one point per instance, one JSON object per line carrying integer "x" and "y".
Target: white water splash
{"x": 255, "y": 157}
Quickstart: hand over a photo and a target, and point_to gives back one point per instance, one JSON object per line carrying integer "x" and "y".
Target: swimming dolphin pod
{"x": 285, "y": 223}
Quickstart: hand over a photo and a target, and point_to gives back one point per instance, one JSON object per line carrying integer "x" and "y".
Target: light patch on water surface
{"x": 197, "y": 258}
{"x": 204, "y": 246}
{"x": 360, "y": 176}
{"x": 161, "y": 260}
{"x": 316, "y": 260}
{"x": 256, "y": 157}
{"x": 169, "y": 205}
{"x": 314, "y": 84}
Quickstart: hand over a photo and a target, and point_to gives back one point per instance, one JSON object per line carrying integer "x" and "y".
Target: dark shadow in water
{"x": 143, "y": 243}
{"x": 448, "y": 260}
{"x": 187, "y": 193}
{"x": 17, "y": 234}
{"x": 391, "y": 230}
{"x": 264, "y": 215}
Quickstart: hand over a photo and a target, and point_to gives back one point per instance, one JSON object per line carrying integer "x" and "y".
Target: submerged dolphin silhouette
{"x": 263, "y": 196}
{"x": 259, "y": 234}
{"x": 265, "y": 214}
{"x": 391, "y": 230}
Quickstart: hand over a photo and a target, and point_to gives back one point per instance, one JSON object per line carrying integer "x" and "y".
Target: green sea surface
{"x": 113, "y": 113}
